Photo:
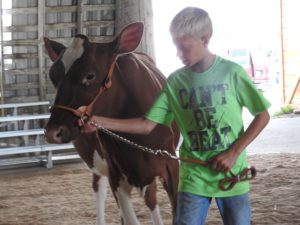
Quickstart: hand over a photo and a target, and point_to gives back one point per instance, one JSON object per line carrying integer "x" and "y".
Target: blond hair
{"x": 191, "y": 21}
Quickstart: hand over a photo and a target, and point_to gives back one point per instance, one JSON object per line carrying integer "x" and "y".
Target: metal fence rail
{"x": 22, "y": 141}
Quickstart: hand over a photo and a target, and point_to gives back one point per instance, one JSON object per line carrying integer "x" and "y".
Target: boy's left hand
{"x": 224, "y": 161}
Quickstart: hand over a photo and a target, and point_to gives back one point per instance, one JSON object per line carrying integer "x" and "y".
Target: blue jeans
{"x": 192, "y": 209}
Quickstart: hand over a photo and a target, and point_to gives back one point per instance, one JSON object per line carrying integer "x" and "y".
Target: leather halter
{"x": 85, "y": 114}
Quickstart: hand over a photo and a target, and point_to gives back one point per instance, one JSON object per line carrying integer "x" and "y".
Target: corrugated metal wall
{"x": 24, "y": 65}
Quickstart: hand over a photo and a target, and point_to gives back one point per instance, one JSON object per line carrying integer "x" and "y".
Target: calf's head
{"x": 79, "y": 72}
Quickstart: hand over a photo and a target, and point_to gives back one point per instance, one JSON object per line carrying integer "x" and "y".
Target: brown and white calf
{"x": 111, "y": 80}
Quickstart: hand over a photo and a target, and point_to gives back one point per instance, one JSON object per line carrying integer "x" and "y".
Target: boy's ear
{"x": 206, "y": 38}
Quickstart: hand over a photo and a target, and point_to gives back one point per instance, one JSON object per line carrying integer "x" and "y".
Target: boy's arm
{"x": 226, "y": 160}
{"x": 132, "y": 126}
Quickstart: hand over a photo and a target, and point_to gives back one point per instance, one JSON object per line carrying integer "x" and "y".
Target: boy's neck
{"x": 203, "y": 64}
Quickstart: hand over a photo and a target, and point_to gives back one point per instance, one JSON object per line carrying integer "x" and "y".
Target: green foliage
{"x": 287, "y": 109}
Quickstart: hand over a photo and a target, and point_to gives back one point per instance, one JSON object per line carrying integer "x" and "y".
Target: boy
{"x": 205, "y": 98}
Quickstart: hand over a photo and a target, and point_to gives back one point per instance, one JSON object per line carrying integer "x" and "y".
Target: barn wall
{"x": 24, "y": 64}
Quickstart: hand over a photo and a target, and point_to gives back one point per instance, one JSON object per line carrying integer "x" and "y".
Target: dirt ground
{"x": 63, "y": 195}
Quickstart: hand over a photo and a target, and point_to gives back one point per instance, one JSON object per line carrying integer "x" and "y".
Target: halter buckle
{"x": 84, "y": 118}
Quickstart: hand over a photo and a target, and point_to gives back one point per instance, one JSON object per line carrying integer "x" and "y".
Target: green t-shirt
{"x": 207, "y": 108}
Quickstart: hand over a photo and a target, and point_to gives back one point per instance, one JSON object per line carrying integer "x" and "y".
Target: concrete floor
{"x": 280, "y": 136}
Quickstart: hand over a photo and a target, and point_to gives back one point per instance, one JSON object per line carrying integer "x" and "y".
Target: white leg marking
{"x": 156, "y": 217}
{"x": 100, "y": 165}
{"x": 155, "y": 214}
{"x": 143, "y": 192}
{"x": 100, "y": 200}
{"x": 100, "y": 168}
{"x": 126, "y": 208}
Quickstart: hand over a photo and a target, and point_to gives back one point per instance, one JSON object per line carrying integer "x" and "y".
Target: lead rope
{"x": 225, "y": 184}
{"x": 143, "y": 148}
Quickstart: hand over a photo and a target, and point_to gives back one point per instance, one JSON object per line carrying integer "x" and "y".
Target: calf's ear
{"x": 129, "y": 38}
{"x": 53, "y": 48}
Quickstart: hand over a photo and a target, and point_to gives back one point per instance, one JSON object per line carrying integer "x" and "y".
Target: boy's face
{"x": 190, "y": 50}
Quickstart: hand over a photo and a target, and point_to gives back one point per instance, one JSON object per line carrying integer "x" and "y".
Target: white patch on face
{"x": 73, "y": 52}
{"x": 100, "y": 165}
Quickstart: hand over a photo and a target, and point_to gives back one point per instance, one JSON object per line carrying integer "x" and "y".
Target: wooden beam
{"x": 2, "y": 59}
{"x": 98, "y": 23}
{"x": 80, "y": 16}
{"x": 58, "y": 26}
{"x": 20, "y": 86}
{"x": 294, "y": 91}
{"x": 13, "y": 11}
{"x": 21, "y": 56}
{"x": 14, "y": 72}
{"x": 60, "y": 9}
{"x": 99, "y": 7}
{"x": 20, "y": 28}
{"x": 85, "y": 7}
{"x": 282, "y": 52}
{"x": 33, "y": 42}
{"x": 41, "y": 34}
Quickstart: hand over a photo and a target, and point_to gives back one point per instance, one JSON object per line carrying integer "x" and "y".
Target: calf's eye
{"x": 89, "y": 79}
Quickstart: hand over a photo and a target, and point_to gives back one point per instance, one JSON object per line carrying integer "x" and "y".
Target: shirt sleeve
{"x": 249, "y": 96}
{"x": 160, "y": 111}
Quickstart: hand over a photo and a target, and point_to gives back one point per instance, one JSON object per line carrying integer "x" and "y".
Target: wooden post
{"x": 42, "y": 76}
{"x": 294, "y": 91}
{"x": 80, "y": 16}
{"x": 1, "y": 60}
{"x": 129, "y": 11}
{"x": 282, "y": 53}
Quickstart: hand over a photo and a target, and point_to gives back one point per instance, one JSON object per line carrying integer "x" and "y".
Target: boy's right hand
{"x": 86, "y": 126}
{"x": 224, "y": 161}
